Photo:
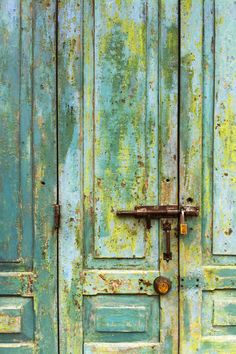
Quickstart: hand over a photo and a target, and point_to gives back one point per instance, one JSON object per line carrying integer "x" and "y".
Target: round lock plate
{"x": 162, "y": 285}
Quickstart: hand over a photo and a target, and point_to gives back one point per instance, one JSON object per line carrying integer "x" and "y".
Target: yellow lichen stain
{"x": 134, "y": 34}
{"x": 118, "y": 3}
{"x": 227, "y": 132}
{"x": 186, "y": 7}
{"x": 122, "y": 235}
{"x": 10, "y": 324}
{"x": 135, "y": 37}
{"x": 219, "y": 20}
{"x": 40, "y": 122}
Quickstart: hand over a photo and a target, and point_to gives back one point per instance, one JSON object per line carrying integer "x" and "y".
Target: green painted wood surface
{"x": 28, "y": 177}
{"x": 124, "y": 319}
{"x": 118, "y": 147}
{"x": 45, "y": 175}
{"x": 70, "y": 107}
{"x": 118, "y": 69}
{"x": 167, "y": 163}
{"x": 15, "y": 136}
{"x": 207, "y": 176}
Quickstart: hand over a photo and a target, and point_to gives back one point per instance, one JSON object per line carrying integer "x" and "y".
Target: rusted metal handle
{"x": 162, "y": 285}
{"x": 166, "y": 227}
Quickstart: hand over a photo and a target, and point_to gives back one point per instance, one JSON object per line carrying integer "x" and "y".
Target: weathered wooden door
{"x": 208, "y": 176}
{"x": 136, "y": 101}
{"x": 28, "y": 243}
{"x": 118, "y": 83}
{"x": 147, "y": 109}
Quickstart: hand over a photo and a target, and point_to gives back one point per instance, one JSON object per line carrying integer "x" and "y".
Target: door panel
{"x": 224, "y": 170}
{"x": 28, "y": 177}
{"x": 118, "y": 69}
{"x": 208, "y": 170}
{"x": 117, "y": 155}
{"x": 16, "y": 214}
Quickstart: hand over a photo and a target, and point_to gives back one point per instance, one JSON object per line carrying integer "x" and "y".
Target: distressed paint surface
{"x": 112, "y": 95}
{"x": 126, "y": 329}
{"x": 70, "y": 146}
{"x": 117, "y": 130}
{"x": 119, "y": 282}
{"x": 28, "y": 308}
{"x": 224, "y": 173}
{"x": 45, "y": 175}
{"x": 207, "y": 173}
{"x": 167, "y": 163}
{"x": 131, "y": 348}
{"x": 117, "y": 148}
{"x": 119, "y": 125}
{"x": 118, "y": 69}
{"x": 16, "y": 155}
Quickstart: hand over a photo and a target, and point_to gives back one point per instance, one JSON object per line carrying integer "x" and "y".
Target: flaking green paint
{"x": 118, "y": 147}
{"x": 206, "y": 149}
{"x": 28, "y": 122}
{"x": 116, "y": 155}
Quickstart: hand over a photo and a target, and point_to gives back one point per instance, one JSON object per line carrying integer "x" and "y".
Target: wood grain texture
{"x": 117, "y": 166}
{"x": 191, "y": 90}
{"x": 28, "y": 270}
{"x": 118, "y": 147}
{"x": 45, "y": 175}
{"x": 168, "y": 162}
{"x": 119, "y": 282}
{"x": 224, "y": 173}
{"x": 70, "y": 78}
{"x": 15, "y": 135}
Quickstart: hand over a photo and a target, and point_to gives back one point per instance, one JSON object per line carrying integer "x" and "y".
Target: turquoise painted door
{"x": 146, "y": 117}
{"x": 208, "y": 176}
{"x": 28, "y": 308}
{"x": 118, "y": 79}
{"x": 105, "y": 105}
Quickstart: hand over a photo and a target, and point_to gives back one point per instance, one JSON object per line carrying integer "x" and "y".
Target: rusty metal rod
{"x": 159, "y": 212}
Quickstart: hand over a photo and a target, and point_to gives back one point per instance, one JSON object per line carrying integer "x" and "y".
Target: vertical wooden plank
{"x": 88, "y": 173}
{"x": 151, "y": 127}
{"x": 168, "y": 160}
{"x": 190, "y": 173}
{"x": 70, "y": 172}
{"x": 45, "y": 174}
{"x": 208, "y": 123}
{"x": 26, "y": 146}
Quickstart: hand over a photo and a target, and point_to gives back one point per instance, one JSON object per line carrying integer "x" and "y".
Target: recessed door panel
{"x": 116, "y": 111}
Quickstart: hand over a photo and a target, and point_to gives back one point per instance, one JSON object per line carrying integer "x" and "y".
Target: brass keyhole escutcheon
{"x": 162, "y": 285}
